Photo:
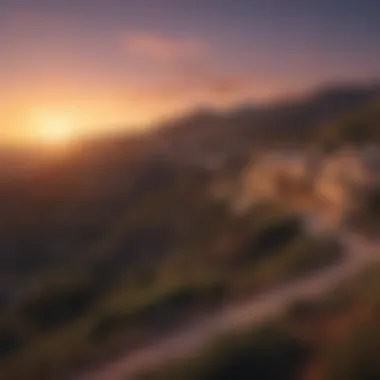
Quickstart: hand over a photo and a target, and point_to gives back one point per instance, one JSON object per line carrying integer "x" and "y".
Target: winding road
{"x": 359, "y": 252}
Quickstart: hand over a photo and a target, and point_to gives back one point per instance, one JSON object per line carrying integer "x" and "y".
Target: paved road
{"x": 359, "y": 252}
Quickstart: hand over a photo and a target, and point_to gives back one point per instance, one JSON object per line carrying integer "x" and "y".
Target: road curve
{"x": 359, "y": 252}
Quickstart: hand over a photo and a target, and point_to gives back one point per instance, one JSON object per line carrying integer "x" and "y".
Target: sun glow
{"x": 55, "y": 129}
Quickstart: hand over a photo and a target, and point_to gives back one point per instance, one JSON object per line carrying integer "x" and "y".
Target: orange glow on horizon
{"x": 55, "y": 129}
{"x": 61, "y": 123}
{"x": 57, "y": 112}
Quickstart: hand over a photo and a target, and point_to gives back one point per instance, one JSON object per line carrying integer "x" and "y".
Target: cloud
{"x": 164, "y": 49}
{"x": 226, "y": 87}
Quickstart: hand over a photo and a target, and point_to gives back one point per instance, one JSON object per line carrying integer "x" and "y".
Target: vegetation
{"x": 174, "y": 252}
{"x": 268, "y": 353}
{"x": 359, "y": 127}
{"x": 334, "y": 338}
{"x": 366, "y": 218}
{"x": 125, "y": 238}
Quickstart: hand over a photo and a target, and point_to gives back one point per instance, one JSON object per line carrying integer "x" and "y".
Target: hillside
{"x": 215, "y": 135}
{"x": 103, "y": 179}
{"x": 126, "y": 237}
{"x": 357, "y": 128}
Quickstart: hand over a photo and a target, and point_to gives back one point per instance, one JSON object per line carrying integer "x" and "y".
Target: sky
{"x": 95, "y": 65}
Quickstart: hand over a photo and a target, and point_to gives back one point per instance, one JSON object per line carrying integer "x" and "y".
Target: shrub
{"x": 59, "y": 307}
{"x": 10, "y": 342}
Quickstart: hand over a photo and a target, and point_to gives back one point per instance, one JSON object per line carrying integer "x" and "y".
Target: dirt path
{"x": 359, "y": 252}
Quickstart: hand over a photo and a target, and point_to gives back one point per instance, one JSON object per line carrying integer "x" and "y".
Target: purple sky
{"x": 135, "y": 61}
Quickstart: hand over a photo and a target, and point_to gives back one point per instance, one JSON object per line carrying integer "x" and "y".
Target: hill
{"x": 126, "y": 233}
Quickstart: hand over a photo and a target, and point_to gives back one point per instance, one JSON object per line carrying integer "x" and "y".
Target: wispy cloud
{"x": 159, "y": 48}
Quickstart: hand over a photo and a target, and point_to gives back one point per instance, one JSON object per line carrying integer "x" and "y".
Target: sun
{"x": 55, "y": 129}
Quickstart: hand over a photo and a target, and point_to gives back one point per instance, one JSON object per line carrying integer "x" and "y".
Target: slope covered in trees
{"x": 125, "y": 236}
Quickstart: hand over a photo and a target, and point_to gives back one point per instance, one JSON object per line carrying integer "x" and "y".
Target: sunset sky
{"x": 98, "y": 64}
